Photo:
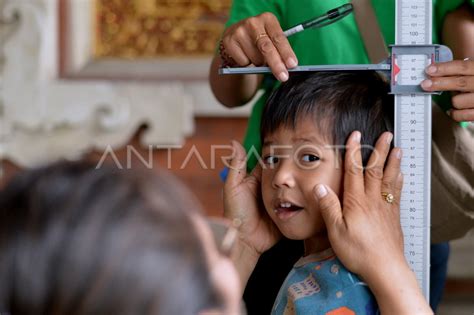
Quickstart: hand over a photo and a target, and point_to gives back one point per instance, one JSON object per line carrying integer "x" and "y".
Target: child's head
{"x": 305, "y": 124}
{"x": 79, "y": 240}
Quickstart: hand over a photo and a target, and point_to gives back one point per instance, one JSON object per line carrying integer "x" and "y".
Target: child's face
{"x": 295, "y": 161}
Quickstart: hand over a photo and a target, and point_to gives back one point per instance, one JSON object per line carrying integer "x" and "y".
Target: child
{"x": 305, "y": 124}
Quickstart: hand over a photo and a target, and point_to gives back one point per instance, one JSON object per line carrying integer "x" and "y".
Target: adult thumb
{"x": 329, "y": 206}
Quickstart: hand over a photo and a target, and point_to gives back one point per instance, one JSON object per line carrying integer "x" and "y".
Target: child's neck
{"x": 316, "y": 244}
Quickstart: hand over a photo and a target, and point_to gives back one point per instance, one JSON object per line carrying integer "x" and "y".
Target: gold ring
{"x": 388, "y": 197}
{"x": 260, "y": 36}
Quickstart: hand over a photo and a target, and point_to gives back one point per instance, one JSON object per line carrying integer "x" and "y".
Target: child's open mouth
{"x": 286, "y": 210}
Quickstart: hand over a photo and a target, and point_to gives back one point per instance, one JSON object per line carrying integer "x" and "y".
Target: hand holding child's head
{"x": 358, "y": 231}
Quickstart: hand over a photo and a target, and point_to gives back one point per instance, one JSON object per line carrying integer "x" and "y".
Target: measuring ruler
{"x": 413, "y": 26}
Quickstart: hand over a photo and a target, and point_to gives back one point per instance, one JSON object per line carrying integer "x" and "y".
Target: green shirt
{"x": 338, "y": 43}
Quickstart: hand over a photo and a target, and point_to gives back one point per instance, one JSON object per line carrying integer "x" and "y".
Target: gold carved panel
{"x": 135, "y": 29}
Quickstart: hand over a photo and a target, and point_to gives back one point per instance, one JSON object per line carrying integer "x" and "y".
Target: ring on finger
{"x": 259, "y": 37}
{"x": 388, "y": 197}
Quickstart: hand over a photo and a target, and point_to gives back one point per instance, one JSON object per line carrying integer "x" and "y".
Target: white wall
{"x": 43, "y": 118}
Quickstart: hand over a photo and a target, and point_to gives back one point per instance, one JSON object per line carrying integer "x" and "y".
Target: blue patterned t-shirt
{"x": 320, "y": 284}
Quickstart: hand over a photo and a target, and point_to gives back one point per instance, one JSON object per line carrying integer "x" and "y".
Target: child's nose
{"x": 284, "y": 175}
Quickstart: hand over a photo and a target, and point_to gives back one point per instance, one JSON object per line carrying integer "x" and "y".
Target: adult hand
{"x": 260, "y": 40}
{"x": 456, "y": 76}
{"x": 244, "y": 206}
{"x": 366, "y": 230}
{"x": 365, "y": 233}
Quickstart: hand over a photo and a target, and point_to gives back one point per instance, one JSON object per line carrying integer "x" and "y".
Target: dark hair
{"x": 80, "y": 240}
{"x": 341, "y": 102}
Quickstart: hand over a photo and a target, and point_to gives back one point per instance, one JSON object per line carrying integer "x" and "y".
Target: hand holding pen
{"x": 260, "y": 40}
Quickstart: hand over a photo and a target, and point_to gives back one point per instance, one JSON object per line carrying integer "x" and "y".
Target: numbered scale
{"x": 406, "y": 66}
{"x": 413, "y": 130}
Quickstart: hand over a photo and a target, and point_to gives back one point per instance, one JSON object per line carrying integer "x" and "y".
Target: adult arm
{"x": 453, "y": 145}
{"x": 232, "y": 90}
{"x": 365, "y": 232}
{"x": 458, "y": 32}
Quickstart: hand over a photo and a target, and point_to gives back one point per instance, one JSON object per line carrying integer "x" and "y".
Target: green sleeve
{"x": 252, "y": 142}
{"x": 242, "y": 9}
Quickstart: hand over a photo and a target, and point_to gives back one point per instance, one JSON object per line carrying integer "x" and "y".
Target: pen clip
{"x": 335, "y": 14}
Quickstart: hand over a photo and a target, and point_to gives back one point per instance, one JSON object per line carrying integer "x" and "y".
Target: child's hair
{"x": 338, "y": 102}
{"x": 80, "y": 240}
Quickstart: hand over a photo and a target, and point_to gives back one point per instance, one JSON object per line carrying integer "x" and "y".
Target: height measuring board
{"x": 413, "y": 134}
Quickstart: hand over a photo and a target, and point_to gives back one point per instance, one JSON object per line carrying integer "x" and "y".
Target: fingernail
{"x": 426, "y": 84}
{"x": 283, "y": 76}
{"x": 399, "y": 154}
{"x": 291, "y": 63}
{"x": 389, "y": 138}
{"x": 321, "y": 191}
{"x": 357, "y": 136}
{"x": 448, "y": 112}
{"x": 431, "y": 69}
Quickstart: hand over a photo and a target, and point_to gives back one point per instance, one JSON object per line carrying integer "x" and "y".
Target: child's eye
{"x": 310, "y": 158}
{"x": 270, "y": 159}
